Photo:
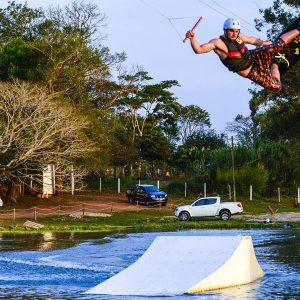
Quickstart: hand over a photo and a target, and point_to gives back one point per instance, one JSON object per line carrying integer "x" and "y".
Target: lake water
{"x": 64, "y": 266}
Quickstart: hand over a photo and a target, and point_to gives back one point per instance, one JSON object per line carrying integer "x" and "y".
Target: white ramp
{"x": 174, "y": 265}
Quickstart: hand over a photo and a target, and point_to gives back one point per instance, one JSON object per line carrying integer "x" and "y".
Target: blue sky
{"x": 141, "y": 29}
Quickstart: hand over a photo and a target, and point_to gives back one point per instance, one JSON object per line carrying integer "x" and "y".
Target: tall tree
{"x": 245, "y": 132}
{"x": 36, "y": 131}
{"x": 150, "y": 104}
{"x": 192, "y": 119}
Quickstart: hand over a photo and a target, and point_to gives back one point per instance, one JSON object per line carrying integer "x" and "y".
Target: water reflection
{"x": 45, "y": 241}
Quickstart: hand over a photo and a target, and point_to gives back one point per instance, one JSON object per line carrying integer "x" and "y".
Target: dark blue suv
{"x": 147, "y": 194}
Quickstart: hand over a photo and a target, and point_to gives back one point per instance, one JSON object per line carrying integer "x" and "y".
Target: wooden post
{"x": 119, "y": 186}
{"x": 185, "y": 189}
{"x": 72, "y": 181}
{"x": 35, "y": 213}
{"x": 158, "y": 184}
{"x": 204, "y": 189}
{"x": 111, "y": 208}
{"x": 14, "y": 214}
{"x": 229, "y": 191}
{"x": 250, "y": 192}
{"x": 100, "y": 185}
{"x": 278, "y": 194}
{"x": 298, "y": 196}
{"x": 233, "y": 175}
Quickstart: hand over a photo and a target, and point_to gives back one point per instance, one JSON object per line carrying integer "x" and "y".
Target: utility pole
{"x": 233, "y": 175}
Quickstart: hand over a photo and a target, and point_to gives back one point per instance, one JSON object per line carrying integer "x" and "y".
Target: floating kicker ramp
{"x": 175, "y": 265}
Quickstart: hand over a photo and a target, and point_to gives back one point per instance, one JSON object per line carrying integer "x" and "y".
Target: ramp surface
{"x": 174, "y": 265}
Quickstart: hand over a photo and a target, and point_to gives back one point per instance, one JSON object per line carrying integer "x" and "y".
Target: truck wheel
{"x": 184, "y": 216}
{"x": 130, "y": 200}
{"x": 225, "y": 215}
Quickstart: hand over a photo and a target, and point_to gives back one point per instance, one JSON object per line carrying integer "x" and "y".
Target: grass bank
{"x": 142, "y": 221}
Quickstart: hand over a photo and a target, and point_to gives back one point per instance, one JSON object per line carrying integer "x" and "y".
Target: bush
{"x": 257, "y": 176}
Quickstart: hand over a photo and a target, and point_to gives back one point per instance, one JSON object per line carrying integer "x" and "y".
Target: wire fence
{"x": 75, "y": 211}
{"x": 187, "y": 189}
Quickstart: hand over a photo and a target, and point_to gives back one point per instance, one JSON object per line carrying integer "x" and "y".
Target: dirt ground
{"x": 119, "y": 203}
{"x": 277, "y": 217}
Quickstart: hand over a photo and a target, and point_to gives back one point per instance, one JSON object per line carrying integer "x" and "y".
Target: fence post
{"x": 229, "y": 191}
{"x": 204, "y": 188}
{"x": 158, "y": 184}
{"x": 72, "y": 180}
{"x": 100, "y": 185}
{"x": 278, "y": 194}
{"x": 14, "y": 214}
{"x": 119, "y": 186}
{"x": 35, "y": 213}
{"x": 185, "y": 189}
{"x": 250, "y": 192}
{"x": 298, "y": 195}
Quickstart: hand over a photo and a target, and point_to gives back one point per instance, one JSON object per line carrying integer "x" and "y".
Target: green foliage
{"x": 19, "y": 60}
{"x": 176, "y": 187}
{"x": 257, "y": 176}
{"x": 192, "y": 120}
{"x": 207, "y": 139}
{"x": 19, "y": 21}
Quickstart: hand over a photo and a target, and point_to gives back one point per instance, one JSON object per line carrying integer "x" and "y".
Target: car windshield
{"x": 151, "y": 189}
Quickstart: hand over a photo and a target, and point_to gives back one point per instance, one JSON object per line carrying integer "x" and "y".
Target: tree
{"x": 154, "y": 147}
{"x": 151, "y": 104}
{"x": 36, "y": 130}
{"x": 244, "y": 129}
{"x": 192, "y": 119}
{"x": 19, "y": 21}
{"x": 208, "y": 139}
{"x": 123, "y": 151}
{"x": 58, "y": 51}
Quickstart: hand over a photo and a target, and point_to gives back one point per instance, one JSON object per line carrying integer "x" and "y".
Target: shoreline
{"x": 149, "y": 221}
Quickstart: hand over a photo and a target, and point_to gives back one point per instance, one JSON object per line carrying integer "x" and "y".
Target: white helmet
{"x": 231, "y": 24}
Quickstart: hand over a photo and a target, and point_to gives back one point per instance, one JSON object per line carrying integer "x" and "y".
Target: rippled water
{"x": 64, "y": 266}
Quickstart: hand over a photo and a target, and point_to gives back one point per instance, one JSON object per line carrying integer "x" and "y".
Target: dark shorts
{"x": 262, "y": 60}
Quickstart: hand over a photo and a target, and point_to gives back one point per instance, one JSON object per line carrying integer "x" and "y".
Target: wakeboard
{"x": 290, "y": 51}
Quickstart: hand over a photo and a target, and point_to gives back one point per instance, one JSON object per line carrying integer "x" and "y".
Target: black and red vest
{"x": 238, "y": 56}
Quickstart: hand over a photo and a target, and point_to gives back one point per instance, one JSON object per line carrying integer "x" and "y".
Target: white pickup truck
{"x": 208, "y": 207}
